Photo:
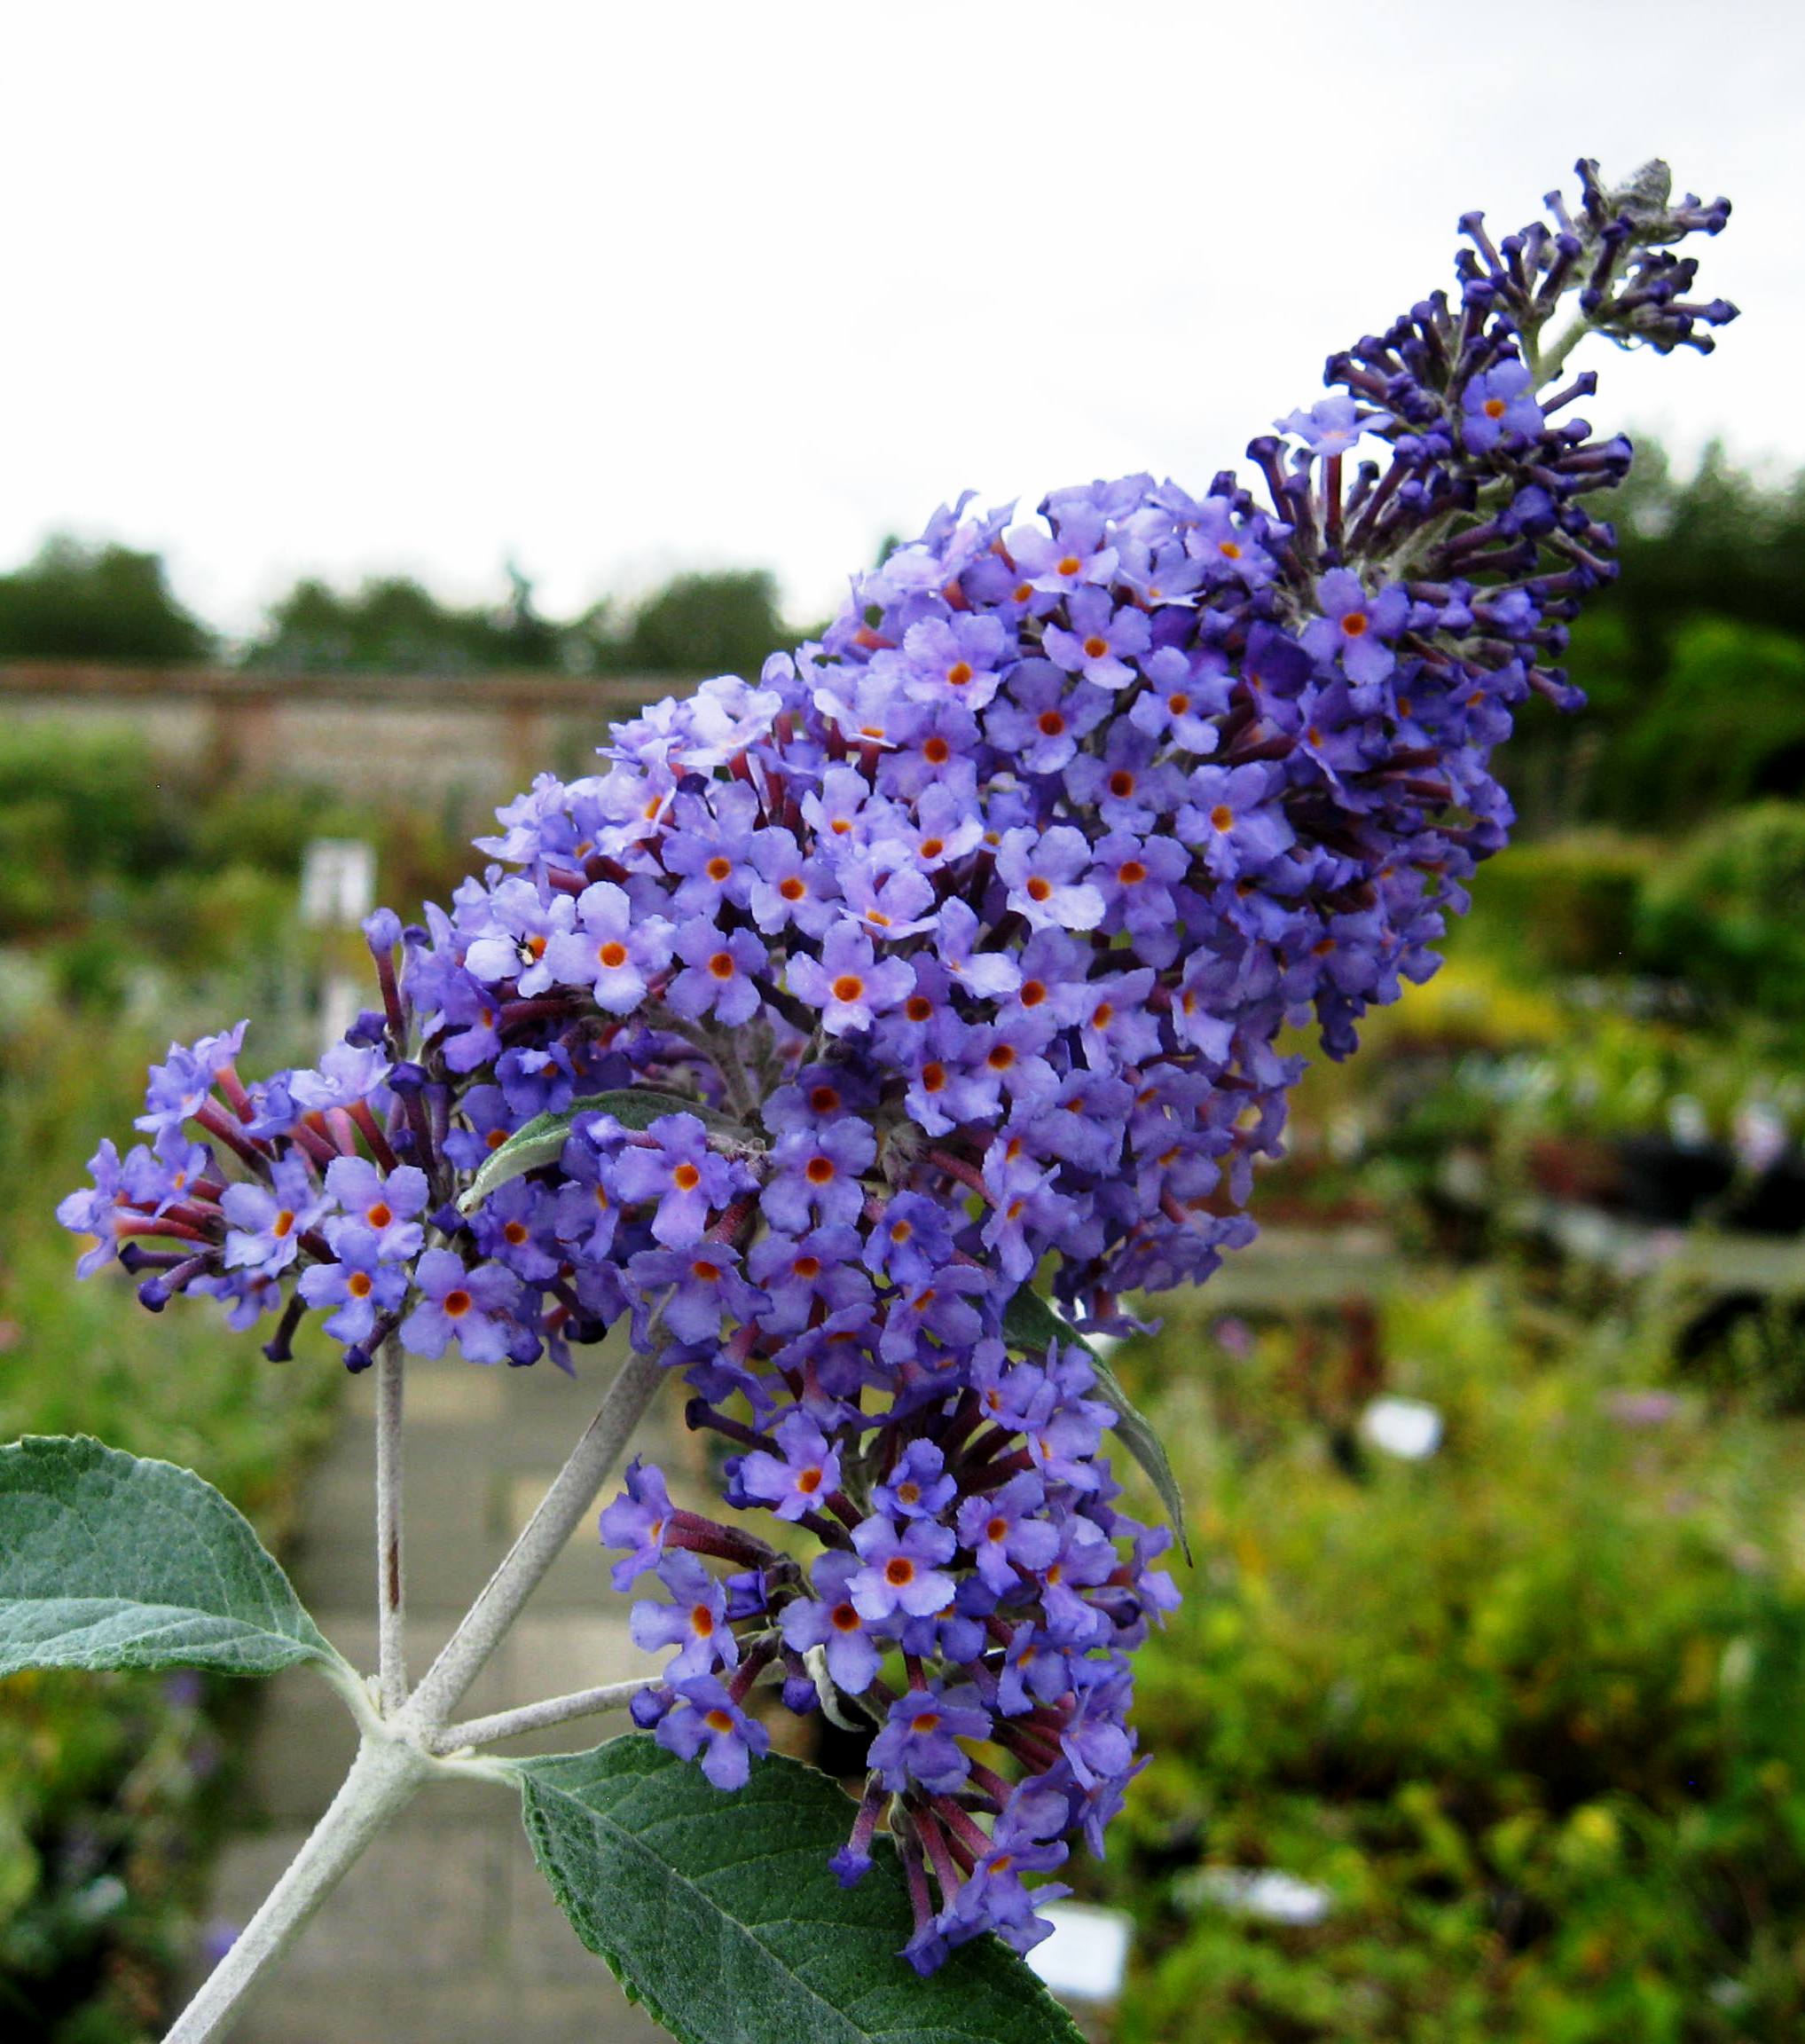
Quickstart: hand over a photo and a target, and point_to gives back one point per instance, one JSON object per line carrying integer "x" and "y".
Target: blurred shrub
{"x": 81, "y": 602}
{"x": 109, "y": 1785}
{"x": 1726, "y": 725}
{"x": 1564, "y": 904}
{"x": 1531, "y": 1715}
{"x": 1725, "y": 913}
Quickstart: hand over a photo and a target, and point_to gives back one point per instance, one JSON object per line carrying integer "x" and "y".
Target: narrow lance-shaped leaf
{"x": 1031, "y": 1322}
{"x": 718, "y": 1910}
{"x": 109, "y": 1562}
{"x": 541, "y": 1142}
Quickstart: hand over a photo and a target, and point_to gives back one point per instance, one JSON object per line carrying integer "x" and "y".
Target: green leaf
{"x": 718, "y": 1910}
{"x": 541, "y": 1142}
{"x": 108, "y": 1562}
{"x": 1029, "y": 1322}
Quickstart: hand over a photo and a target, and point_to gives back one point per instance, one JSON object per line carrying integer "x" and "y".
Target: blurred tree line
{"x": 81, "y": 601}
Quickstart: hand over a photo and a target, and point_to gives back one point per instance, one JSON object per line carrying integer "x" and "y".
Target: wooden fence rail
{"x": 502, "y": 727}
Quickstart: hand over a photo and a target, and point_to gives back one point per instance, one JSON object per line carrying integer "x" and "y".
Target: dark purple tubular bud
{"x": 649, "y": 1706}
{"x": 280, "y": 1347}
{"x": 382, "y": 932}
{"x": 408, "y": 1080}
{"x": 369, "y": 1029}
{"x": 357, "y": 1360}
{"x": 134, "y": 1257}
{"x": 799, "y": 1696}
{"x": 154, "y": 1294}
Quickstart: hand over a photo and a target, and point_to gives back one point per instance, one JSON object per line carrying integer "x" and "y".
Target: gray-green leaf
{"x": 108, "y": 1562}
{"x": 718, "y": 1912}
{"x": 1029, "y": 1322}
{"x": 541, "y": 1140}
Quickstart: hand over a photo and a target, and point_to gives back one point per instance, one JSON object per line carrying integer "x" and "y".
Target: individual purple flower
{"x": 1232, "y": 819}
{"x": 95, "y": 1209}
{"x": 694, "y": 1621}
{"x": 791, "y": 887}
{"x": 798, "y": 1479}
{"x": 523, "y": 927}
{"x": 798, "y": 1273}
{"x": 918, "y": 1746}
{"x": 472, "y": 1308}
{"x": 702, "y": 1285}
{"x": 1004, "y": 1534}
{"x": 1186, "y": 693}
{"x": 1056, "y": 564}
{"x": 985, "y": 973}
{"x": 1498, "y": 403}
{"x": 639, "y": 1520}
{"x": 848, "y": 983}
{"x": 954, "y": 658}
{"x": 918, "y": 1486}
{"x": 706, "y": 1721}
{"x": 1101, "y": 642}
{"x": 831, "y": 1621}
{"x": 709, "y": 844}
{"x": 388, "y": 1204}
{"x": 911, "y": 1241}
{"x": 183, "y": 1083}
{"x": 611, "y": 950}
{"x": 815, "y": 1176}
{"x": 265, "y": 1223}
{"x": 1356, "y": 627}
{"x": 1041, "y": 869}
{"x": 678, "y": 1168}
{"x": 1332, "y": 425}
{"x": 1042, "y": 719}
{"x": 902, "y": 1571}
{"x": 720, "y": 975}
{"x": 361, "y": 1284}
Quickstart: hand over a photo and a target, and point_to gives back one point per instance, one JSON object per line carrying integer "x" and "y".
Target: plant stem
{"x": 560, "y": 1510}
{"x": 382, "y": 1778}
{"x": 391, "y": 1648}
{"x": 536, "y": 1717}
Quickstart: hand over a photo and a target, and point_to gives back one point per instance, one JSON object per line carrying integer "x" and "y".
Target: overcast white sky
{"x": 613, "y": 289}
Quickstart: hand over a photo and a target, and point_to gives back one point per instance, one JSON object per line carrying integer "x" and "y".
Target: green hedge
{"x": 1531, "y": 1713}
{"x": 108, "y": 1784}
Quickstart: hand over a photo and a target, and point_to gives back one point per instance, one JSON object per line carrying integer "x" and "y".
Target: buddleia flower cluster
{"x": 949, "y": 958}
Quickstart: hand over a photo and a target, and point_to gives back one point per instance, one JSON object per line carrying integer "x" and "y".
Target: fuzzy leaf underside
{"x": 110, "y": 1561}
{"x": 1029, "y": 1322}
{"x": 541, "y": 1142}
{"x": 717, "y": 1911}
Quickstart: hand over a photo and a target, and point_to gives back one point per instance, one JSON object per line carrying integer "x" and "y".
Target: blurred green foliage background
{"x": 1519, "y": 1724}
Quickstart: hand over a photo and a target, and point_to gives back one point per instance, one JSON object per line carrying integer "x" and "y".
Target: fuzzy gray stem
{"x": 391, "y": 1650}
{"x": 536, "y": 1717}
{"x": 560, "y": 1510}
{"x": 382, "y": 1778}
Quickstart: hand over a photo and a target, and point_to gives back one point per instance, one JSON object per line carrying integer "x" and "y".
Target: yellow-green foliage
{"x": 103, "y": 1778}
{"x": 1532, "y": 1712}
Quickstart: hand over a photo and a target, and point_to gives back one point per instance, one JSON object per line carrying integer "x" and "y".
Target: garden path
{"x": 445, "y": 1931}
